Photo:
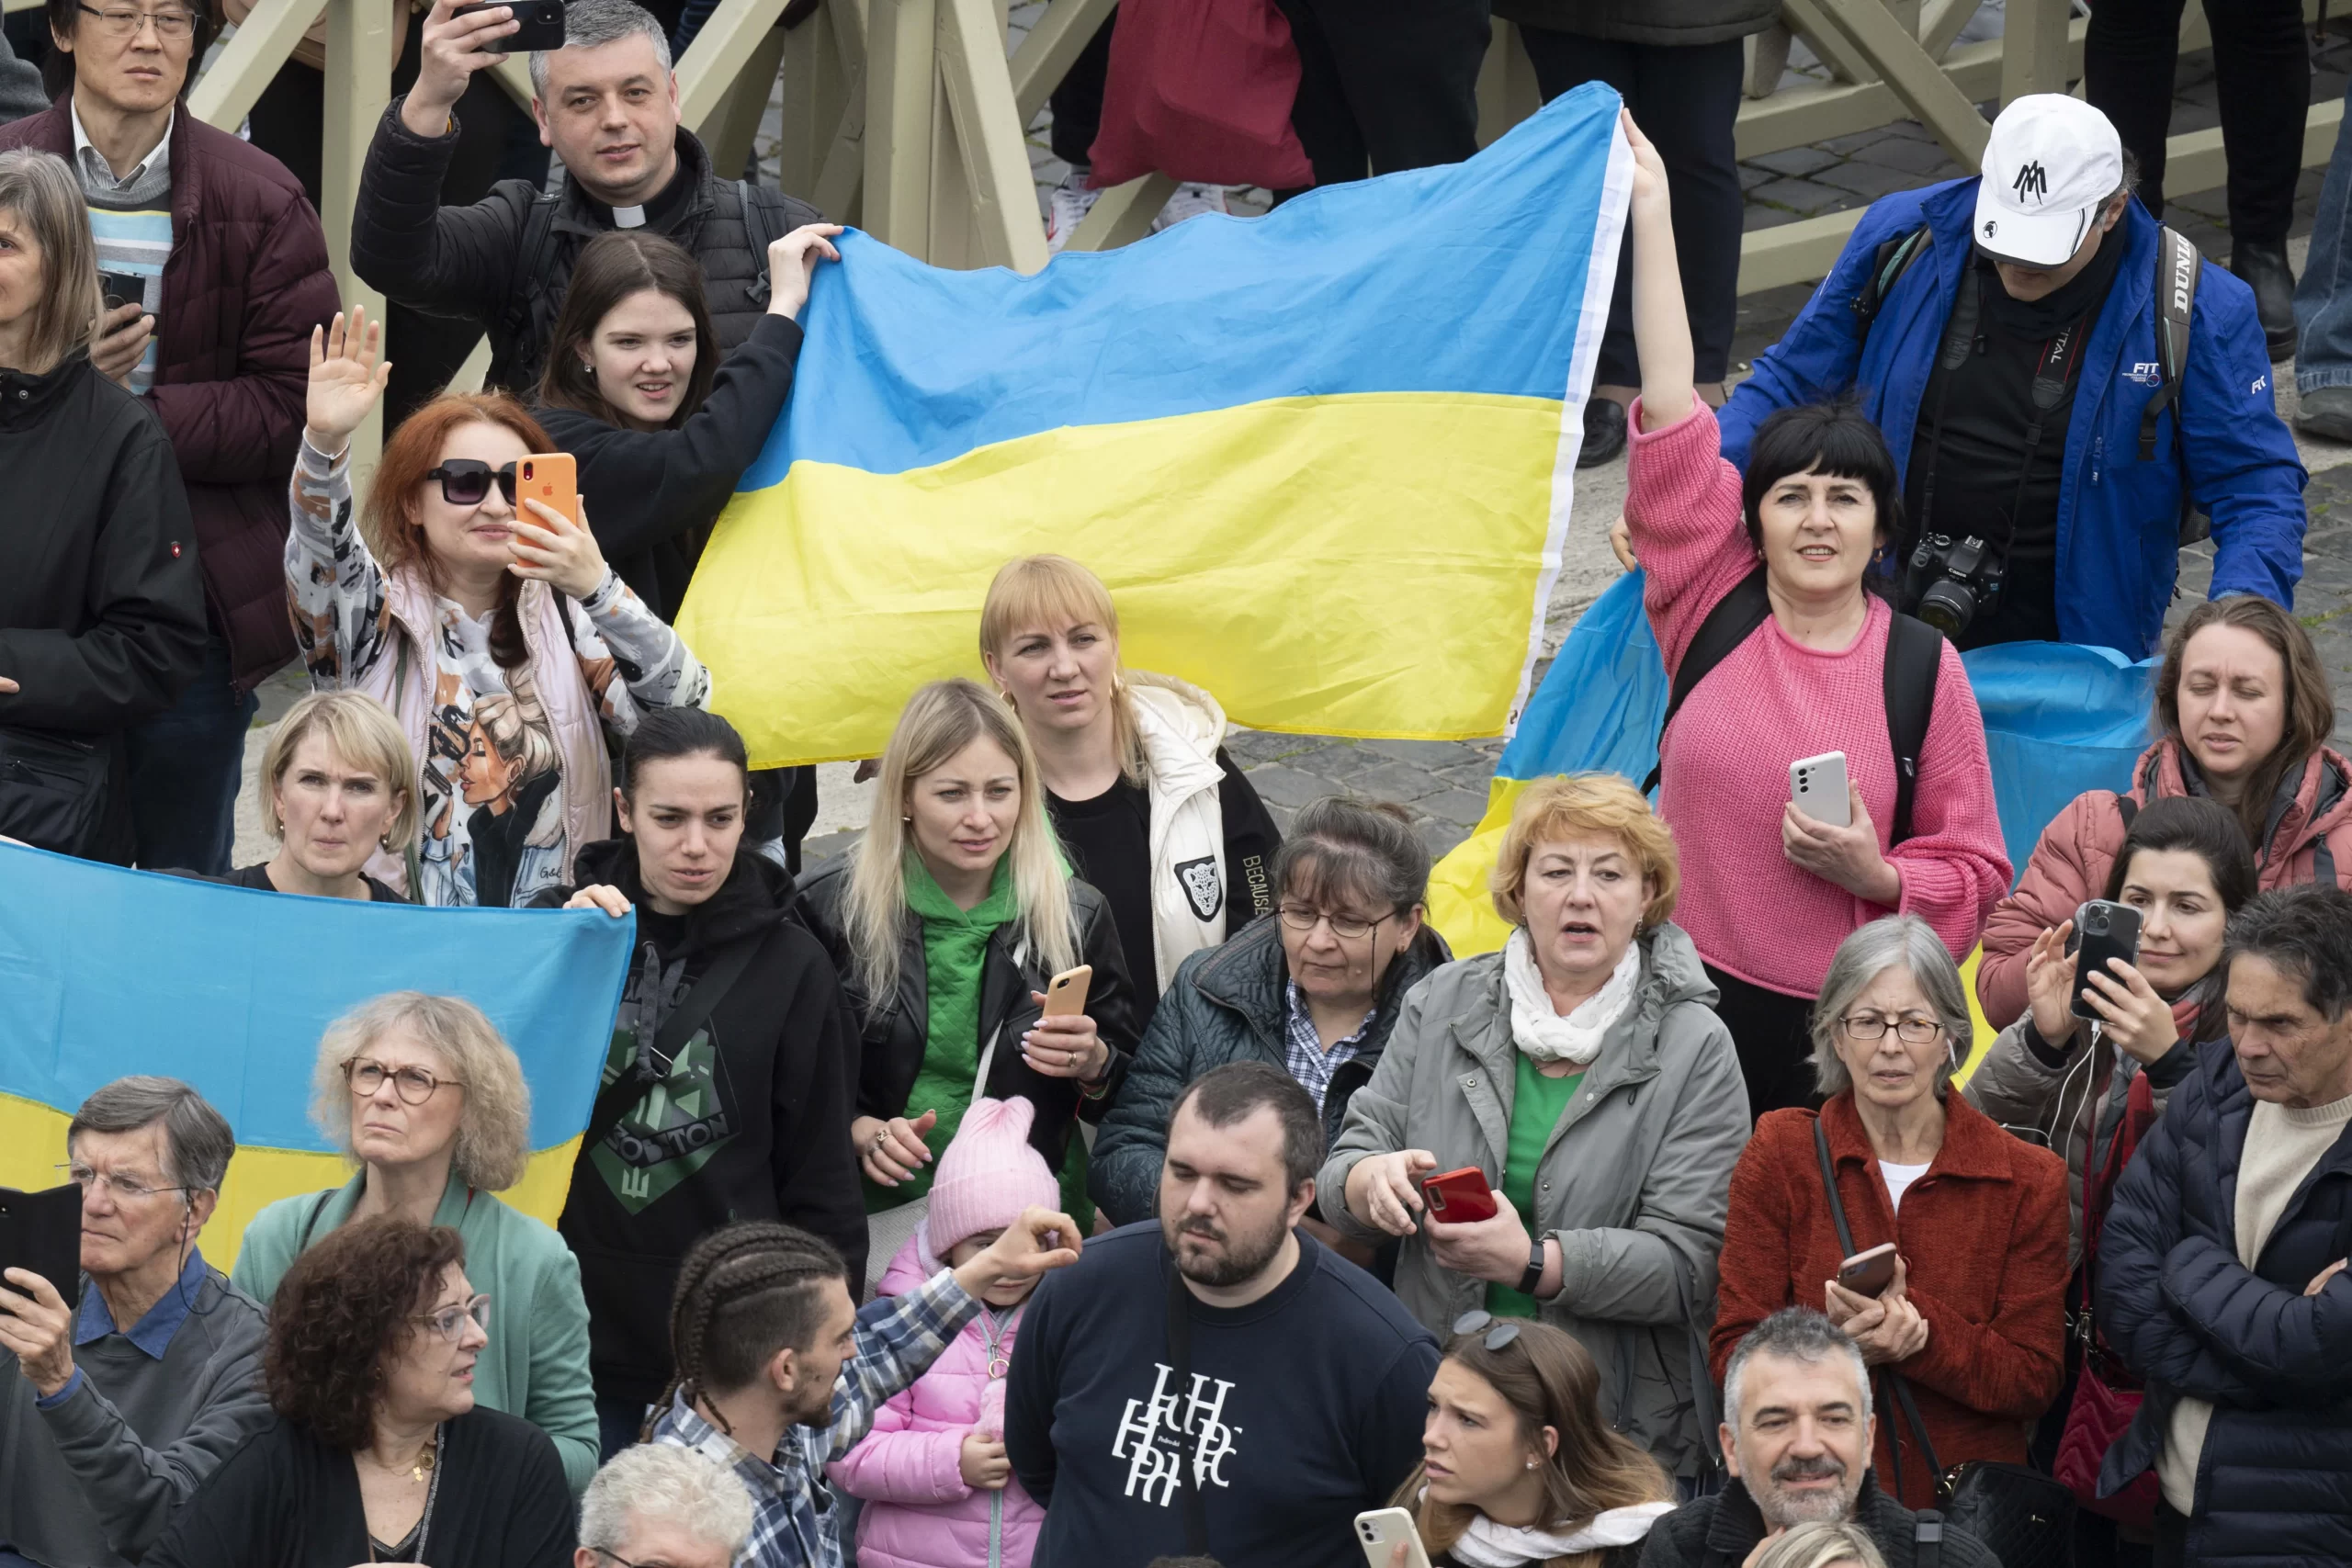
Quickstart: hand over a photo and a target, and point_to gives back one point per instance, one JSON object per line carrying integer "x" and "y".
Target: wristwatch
{"x": 1534, "y": 1275}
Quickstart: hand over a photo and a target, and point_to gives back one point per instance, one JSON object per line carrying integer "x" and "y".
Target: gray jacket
{"x": 20, "y": 92}
{"x": 1673, "y": 22}
{"x": 1634, "y": 1182}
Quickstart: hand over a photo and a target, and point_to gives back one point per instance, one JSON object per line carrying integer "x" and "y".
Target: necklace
{"x": 426, "y": 1467}
{"x": 425, "y": 1457}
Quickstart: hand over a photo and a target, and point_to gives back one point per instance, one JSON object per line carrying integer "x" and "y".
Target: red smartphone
{"x": 1459, "y": 1197}
{"x": 1868, "y": 1273}
{"x": 551, "y": 478}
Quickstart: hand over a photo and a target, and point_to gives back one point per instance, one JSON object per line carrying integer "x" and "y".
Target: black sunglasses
{"x": 465, "y": 481}
{"x": 1498, "y": 1333}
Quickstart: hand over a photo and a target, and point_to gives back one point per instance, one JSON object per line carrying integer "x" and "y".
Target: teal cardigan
{"x": 536, "y": 1365}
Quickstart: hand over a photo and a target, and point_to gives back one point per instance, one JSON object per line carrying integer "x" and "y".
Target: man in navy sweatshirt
{"x": 1219, "y": 1384}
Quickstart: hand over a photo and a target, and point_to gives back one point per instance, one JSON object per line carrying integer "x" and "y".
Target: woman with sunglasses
{"x": 1520, "y": 1468}
{"x": 385, "y": 1448}
{"x": 422, "y": 1094}
{"x": 1968, "y": 1329}
{"x": 495, "y": 633}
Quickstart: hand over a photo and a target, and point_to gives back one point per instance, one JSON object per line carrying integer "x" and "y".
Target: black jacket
{"x": 1719, "y": 1531}
{"x": 468, "y": 262}
{"x": 652, "y": 495}
{"x": 2275, "y": 1481}
{"x": 897, "y": 1033}
{"x": 1228, "y": 1004}
{"x": 748, "y": 1122}
{"x": 1669, "y": 22}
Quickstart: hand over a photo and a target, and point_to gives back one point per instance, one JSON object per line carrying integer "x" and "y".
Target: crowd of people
{"x": 1070, "y": 1174}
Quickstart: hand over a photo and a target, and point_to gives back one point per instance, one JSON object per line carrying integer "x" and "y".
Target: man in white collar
{"x": 214, "y": 270}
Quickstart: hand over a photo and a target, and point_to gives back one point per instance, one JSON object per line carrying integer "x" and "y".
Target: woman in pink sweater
{"x": 939, "y": 1491}
{"x": 1769, "y": 892}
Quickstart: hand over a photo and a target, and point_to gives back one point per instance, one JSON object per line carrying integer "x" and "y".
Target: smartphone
{"x": 1459, "y": 1197}
{"x": 1378, "y": 1532}
{"x": 121, "y": 289}
{"x": 542, "y": 25}
{"x": 551, "y": 478}
{"x": 1065, "y": 992}
{"x": 42, "y": 1232}
{"x": 1817, "y": 784}
{"x": 1868, "y": 1273}
{"x": 2102, "y": 931}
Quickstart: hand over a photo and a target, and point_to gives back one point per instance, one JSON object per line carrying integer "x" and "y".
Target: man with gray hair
{"x": 608, "y": 102}
{"x": 657, "y": 1506}
{"x": 118, "y": 1411}
{"x": 1796, "y": 1437}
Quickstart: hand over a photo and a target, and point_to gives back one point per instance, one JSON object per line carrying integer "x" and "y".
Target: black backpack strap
{"x": 1736, "y": 615}
{"x": 2178, "y": 267}
{"x": 1928, "y": 1538}
{"x": 1914, "y": 660}
{"x": 2323, "y": 864}
{"x": 2127, "y": 808}
{"x": 613, "y": 1101}
{"x": 529, "y": 290}
{"x": 1888, "y": 264}
{"x": 760, "y": 229}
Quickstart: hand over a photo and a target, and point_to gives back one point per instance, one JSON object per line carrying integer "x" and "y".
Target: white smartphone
{"x": 1817, "y": 785}
{"x": 1378, "y": 1532}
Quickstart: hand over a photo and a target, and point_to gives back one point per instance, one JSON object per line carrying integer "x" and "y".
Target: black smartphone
{"x": 542, "y": 25}
{"x": 122, "y": 289}
{"x": 42, "y": 1232}
{"x": 2102, "y": 931}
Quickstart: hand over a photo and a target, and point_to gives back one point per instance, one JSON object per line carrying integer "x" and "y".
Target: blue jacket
{"x": 2273, "y": 1484}
{"x": 2118, "y": 518}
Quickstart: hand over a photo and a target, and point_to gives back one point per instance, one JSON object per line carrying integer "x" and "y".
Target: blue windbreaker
{"x": 2118, "y": 518}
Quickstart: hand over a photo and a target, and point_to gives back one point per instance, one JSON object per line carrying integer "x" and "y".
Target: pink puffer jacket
{"x": 919, "y": 1513}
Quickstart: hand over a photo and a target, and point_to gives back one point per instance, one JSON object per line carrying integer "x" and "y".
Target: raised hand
{"x": 348, "y": 373}
{"x": 451, "y": 50}
{"x": 792, "y": 264}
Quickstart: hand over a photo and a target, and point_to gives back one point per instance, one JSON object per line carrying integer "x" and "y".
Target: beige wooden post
{"x": 901, "y": 91}
{"x": 359, "y": 85}
{"x": 224, "y": 95}
{"x": 991, "y": 152}
{"x": 2033, "y": 49}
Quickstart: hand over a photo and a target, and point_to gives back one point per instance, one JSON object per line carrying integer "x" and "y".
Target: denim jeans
{"x": 186, "y": 765}
{"x": 2323, "y": 297}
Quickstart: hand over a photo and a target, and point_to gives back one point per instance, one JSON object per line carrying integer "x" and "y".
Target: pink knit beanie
{"x": 988, "y": 1175}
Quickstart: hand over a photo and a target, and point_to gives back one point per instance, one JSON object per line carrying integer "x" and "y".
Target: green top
{"x": 536, "y": 1365}
{"x": 955, "y": 953}
{"x": 1536, "y": 1106}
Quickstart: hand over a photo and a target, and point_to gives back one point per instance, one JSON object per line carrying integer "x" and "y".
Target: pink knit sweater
{"x": 1751, "y": 911}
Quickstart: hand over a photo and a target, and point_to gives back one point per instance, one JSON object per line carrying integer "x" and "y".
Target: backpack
{"x": 2179, "y": 267}
{"x": 1914, "y": 659}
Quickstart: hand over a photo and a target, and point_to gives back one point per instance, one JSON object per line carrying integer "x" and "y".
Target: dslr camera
{"x": 1948, "y": 582}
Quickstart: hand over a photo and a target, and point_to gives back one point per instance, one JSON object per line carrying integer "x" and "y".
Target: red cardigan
{"x": 1983, "y": 1234}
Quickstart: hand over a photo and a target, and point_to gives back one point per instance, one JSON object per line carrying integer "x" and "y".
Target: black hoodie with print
{"x": 748, "y": 1122}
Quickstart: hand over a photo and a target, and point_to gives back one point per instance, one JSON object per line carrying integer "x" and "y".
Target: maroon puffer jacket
{"x": 246, "y": 282}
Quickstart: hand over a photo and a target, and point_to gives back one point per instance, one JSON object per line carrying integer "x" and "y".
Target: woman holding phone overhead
{"x": 1755, "y": 592}
{"x": 1965, "y": 1314}
{"x": 484, "y": 617}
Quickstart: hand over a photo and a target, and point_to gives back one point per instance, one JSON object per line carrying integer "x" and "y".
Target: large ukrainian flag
{"x": 106, "y": 972}
{"x": 1323, "y": 457}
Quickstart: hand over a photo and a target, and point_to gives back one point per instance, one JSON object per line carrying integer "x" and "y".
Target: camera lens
{"x": 1948, "y": 606}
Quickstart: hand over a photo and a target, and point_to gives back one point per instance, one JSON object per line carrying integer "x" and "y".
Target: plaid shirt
{"x": 1309, "y": 1062}
{"x": 794, "y": 1521}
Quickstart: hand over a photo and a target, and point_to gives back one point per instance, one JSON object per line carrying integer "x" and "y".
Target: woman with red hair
{"x": 493, "y": 629}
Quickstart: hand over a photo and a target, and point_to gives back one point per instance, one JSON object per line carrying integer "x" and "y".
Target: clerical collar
{"x": 661, "y": 213}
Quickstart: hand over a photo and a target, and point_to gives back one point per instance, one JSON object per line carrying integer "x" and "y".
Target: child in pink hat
{"x": 939, "y": 1492}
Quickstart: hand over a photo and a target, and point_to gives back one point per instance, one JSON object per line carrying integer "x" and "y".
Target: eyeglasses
{"x": 1910, "y": 1031}
{"x": 450, "y": 1321}
{"x": 124, "y": 22}
{"x": 413, "y": 1085}
{"x": 123, "y": 1188}
{"x": 1500, "y": 1331}
{"x": 1347, "y": 927}
{"x": 465, "y": 481}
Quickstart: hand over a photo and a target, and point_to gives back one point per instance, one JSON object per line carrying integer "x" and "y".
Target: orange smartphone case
{"x": 1065, "y": 993}
{"x": 550, "y": 478}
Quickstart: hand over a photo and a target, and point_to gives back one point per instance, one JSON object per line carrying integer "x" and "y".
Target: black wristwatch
{"x": 1534, "y": 1275}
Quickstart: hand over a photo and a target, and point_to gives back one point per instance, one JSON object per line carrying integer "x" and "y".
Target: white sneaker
{"x": 1071, "y": 203}
{"x": 1190, "y": 201}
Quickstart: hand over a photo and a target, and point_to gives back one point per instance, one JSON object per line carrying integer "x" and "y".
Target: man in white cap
{"x": 2063, "y": 385}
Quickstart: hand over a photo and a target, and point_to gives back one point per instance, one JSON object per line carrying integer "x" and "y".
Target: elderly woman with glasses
{"x": 425, "y": 1096}
{"x": 383, "y": 1449}
{"x": 1582, "y": 1077}
{"x": 1966, "y": 1325}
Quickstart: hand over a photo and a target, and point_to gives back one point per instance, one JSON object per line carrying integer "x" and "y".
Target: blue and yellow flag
{"x": 1322, "y": 458}
{"x": 106, "y": 972}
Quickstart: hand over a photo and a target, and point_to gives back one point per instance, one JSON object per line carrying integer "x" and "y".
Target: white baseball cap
{"x": 2052, "y": 160}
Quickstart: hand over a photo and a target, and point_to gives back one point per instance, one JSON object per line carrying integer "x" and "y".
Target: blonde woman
{"x": 333, "y": 791}
{"x": 946, "y": 924}
{"x": 421, "y": 1093}
{"x": 1820, "y": 1545}
{"x": 101, "y": 606}
{"x": 1152, "y": 811}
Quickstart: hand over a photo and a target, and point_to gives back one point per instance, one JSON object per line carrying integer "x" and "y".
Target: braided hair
{"x": 745, "y": 1292}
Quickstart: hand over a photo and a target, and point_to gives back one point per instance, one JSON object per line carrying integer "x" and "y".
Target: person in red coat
{"x": 1973, "y": 1321}
{"x": 215, "y": 271}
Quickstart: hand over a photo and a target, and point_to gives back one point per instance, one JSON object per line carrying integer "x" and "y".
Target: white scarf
{"x": 1540, "y": 1031}
{"x": 1486, "y": 1544}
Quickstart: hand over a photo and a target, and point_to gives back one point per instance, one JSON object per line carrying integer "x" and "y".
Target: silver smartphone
{"x": 1817, "y": 785}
